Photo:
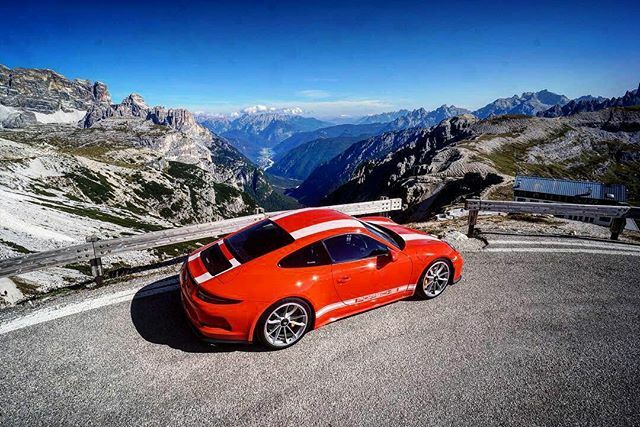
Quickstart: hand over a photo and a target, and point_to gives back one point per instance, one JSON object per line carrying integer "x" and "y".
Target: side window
{"x": 309, "y": 256}
{"x": 351, "y": 247}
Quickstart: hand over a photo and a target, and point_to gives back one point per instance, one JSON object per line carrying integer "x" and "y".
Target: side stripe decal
{"x": 334, "y": 306}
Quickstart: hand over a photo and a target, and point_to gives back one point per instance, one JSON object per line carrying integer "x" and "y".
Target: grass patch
{"x": 105, "y": 217}
{"x": 501, "y": 192}
{"x": 93, "y": 185}
{"x": 27, "y": 288}
{"x": 82, "y": 268}
{"x": 510, "y": 157}
{"x": 150, "y": 189}
{"x": 16, "y": 247}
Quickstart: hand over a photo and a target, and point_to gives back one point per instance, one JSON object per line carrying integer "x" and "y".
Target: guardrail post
{"x": 616, "y": 227}
{"x": 95, "y": 262}
{"x": 473, "y": 218}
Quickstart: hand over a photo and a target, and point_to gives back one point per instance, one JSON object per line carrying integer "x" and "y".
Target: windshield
{"x": 386, "y": 234}
{"x": 257, "y": 240}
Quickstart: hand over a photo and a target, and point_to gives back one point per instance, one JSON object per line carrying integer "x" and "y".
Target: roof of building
{"x": 566, "y": 187}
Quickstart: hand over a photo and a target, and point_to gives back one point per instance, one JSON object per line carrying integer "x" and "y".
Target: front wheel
{"x": 435, "y": 279}
{"x": 284, "y": 323}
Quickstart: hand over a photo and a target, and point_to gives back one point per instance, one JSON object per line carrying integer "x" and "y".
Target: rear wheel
{"x": 435, "y": 279}
{"x": 284, "y": 323}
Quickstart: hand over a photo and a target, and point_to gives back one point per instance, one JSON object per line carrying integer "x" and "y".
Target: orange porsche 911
{"x": 277, "y": 279}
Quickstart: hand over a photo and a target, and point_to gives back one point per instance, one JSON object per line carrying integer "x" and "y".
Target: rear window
{"x": 257, "y": 240}
{"x": 214, "y": 260}
{"x": 310, "y": 256}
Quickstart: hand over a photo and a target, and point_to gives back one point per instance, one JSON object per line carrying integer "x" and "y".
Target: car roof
{"x": 310, "y": 221}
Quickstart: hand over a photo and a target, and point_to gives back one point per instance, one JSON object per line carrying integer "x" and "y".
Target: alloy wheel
{"x": 436, "y": 279}
{"x": 286, "y": 324}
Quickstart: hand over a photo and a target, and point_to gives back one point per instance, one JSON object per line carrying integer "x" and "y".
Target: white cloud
{"x": 314, "y": 93}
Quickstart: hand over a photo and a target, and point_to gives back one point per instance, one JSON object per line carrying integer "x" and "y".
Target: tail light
{"x": 214, "y": 299}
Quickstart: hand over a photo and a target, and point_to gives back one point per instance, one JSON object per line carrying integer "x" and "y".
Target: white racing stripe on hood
{"x": 416, "y": 236}
{"x": 325, "y": 226}
{"x": 288, "y": 213}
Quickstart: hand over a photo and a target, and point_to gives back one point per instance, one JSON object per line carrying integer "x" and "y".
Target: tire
{"x": 294, "y": 318}
{"x": 435, "y": 279}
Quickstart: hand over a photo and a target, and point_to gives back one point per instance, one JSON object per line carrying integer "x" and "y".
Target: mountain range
{"x": 591, "y": 103}
{"x": 529, "y": 104}
{"x": 256, "y": 133}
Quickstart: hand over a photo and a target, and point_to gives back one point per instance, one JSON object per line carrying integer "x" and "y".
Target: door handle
{"x": 344, "y": 279}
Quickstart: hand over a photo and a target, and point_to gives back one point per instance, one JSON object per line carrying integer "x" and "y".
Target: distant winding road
{"x": 539, "y": 331}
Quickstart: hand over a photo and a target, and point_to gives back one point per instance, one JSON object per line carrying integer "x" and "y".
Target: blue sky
{"x": 329, "y": 58}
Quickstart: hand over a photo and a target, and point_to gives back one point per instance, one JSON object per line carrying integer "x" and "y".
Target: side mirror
{"x": 387, "y": 257}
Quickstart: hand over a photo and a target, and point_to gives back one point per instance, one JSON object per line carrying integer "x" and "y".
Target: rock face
{"x": 529, "y": 104}
{"x": 589, "y": 103}
{"x": 46, "y": 96}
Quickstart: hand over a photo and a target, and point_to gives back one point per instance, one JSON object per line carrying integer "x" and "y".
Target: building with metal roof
{"x": 549, "y": 190}
{"x": 573, "y": 191}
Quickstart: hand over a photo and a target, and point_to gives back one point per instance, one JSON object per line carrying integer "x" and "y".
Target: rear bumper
{"x": 218, "y": 323}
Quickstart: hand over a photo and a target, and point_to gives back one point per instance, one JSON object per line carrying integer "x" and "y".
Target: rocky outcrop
{"x": 45, "y": 91}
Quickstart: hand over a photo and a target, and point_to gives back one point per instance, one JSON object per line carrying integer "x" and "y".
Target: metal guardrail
{"x": 617, "y": 213}
{"x": 95, "y": 249}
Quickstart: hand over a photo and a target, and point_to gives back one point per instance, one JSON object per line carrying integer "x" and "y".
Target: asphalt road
{"x": 536, "y": 337}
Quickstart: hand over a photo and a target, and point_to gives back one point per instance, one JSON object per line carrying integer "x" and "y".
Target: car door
{"x": 394, "y": 273}
{"x": 354, "y": 258}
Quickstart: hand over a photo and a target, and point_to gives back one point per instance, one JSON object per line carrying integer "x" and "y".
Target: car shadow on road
{"x": 159, "y": 319}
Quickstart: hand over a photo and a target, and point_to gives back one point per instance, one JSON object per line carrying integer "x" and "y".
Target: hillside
{"x": 464, "y": 156}
{"x": 328, "y": 176}
{"x": 299, "y": 162}
{"x": 360, "y": 131}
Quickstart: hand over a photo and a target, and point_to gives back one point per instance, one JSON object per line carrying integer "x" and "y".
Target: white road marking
{"x": 603, "y": 245}
{"x": 562, "y": 250}
{"x": 52, "y": 313}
